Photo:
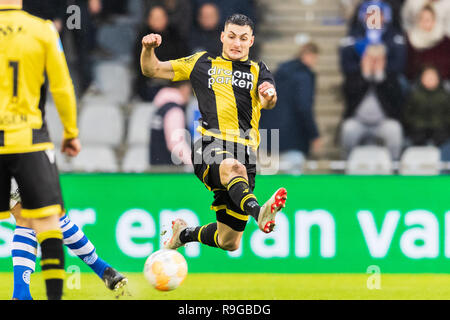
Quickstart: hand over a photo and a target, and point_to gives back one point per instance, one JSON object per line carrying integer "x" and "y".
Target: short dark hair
{"x": 240, "y": 20}
{"x": 430, "y": 66}
{"x": 309, "y": 47}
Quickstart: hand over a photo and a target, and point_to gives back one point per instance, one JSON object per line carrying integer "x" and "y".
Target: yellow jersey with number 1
{"x": 30, "y": 50}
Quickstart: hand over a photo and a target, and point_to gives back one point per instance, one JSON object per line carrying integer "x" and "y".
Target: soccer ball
{"x": 165, "y": 269}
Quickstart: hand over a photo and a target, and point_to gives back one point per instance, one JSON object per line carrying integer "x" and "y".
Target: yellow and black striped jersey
{"x": 227, "y": 94}
{"x": 30, "y": 50}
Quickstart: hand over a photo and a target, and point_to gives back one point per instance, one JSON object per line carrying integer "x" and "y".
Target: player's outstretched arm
{"x": 267, "y": 95}
{"x": 150, "y": 65}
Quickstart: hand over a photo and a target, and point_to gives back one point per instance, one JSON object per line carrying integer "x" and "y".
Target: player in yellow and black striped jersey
{"x": 30, "y": 52}
{"x": 231, "y": 91}
{"x": 227, "y": 94}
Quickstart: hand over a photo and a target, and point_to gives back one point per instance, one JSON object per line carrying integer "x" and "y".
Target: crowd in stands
{"x": 396, "y": 76}
{"x": 395, "y": 67}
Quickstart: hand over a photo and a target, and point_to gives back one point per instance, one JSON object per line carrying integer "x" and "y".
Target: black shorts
{"x": 207, "y": 155}
{"x": 38, "y": 180}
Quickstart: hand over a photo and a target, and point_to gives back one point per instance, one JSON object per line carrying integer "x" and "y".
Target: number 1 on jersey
{"x": 15, "y": 66}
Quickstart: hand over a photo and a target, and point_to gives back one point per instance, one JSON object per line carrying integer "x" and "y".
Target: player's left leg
{"x": 233, "y": 175}
{"x": 240, "y": 185}
{"x": 216, "y": 234}
{"x": 225, "y": 233}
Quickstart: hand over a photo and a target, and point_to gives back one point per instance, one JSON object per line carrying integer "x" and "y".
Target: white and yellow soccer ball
{"x": 165, "y": 269}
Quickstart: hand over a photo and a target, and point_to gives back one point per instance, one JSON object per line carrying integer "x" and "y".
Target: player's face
{"x": 237, "y": 41}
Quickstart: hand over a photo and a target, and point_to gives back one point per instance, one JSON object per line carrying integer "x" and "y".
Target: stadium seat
{"x": 96, "y": 159}
{"x": 123, "y": 31}
{"x": 114, "y": 81}
{"x": 369, "y": 160}
{"x": 139, "y": 125}
{"x": 292, "y": 162}
{"x": 136, "y": 159}
{"x": 63, "y": 162}
{"x": 54, "y": 124}
{"x": 420, "y": 161}
{"x": 136, "y": 10}
{"x": 101, "y": 125}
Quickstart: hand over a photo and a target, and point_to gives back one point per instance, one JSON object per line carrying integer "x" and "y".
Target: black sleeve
{"x": 265, "y": 74}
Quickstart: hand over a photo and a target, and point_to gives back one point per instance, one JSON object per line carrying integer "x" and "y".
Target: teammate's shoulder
{"x": 261, "y": 64}
{"x": 203, "y": 55}
{"x": 34, "y": 19}
{"x": 193, "y": 57}
{"x": 40, "y": 25}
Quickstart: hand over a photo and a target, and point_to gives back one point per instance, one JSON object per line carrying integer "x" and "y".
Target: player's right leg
{"x": 23, "y": 253}
{"x": 235, "y": 172}
{"x": 233, "y": 175}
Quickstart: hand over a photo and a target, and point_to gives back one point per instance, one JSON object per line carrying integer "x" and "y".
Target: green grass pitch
{"x": 255, "y": 287}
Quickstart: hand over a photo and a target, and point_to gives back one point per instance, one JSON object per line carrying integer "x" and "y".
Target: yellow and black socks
{"x": 205, "y": 234}
{"x": 240, "y": 193}
{"x": 52, "y": 262}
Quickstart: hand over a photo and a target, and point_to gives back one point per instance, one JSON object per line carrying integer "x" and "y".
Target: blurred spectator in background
{"x": 299, "y": 134}
{"x": 52, "y": 10}
{"x": 168, "y": 141}
{"x": 373, "y": 100}
{"x": 171, "y": 48}
{"x": 180, "y": 14}
{"x": 396, "y": 6}
{"x": 427, "y": 111}
{"x": 428, "y": 44}
{"x": 85, "y": 42}
{"x": 411, "y": 10}
{"x": 84, "y": 38}
{"x": 111, "y": 7}
{"x": 228, "y": 7}
{"x": 349, "y": 8}
{"x": 363, "y": 34}
{"x": 389, "y": 8}
{"x": 206, "y": 35}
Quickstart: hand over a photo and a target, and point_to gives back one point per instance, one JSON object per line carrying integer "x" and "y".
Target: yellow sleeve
{"x": 183, "y": 67}
{"x": 61, "y": 85}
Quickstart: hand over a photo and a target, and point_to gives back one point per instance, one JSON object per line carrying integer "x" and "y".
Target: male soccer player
{"x": 24, "y": 248}
{"x": 231, "y": 90}
{"x": 30, "y": 48}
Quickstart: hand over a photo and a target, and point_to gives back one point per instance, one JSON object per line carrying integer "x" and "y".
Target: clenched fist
{"x": 151, "y": 41}
{"x": 267, "y": 90}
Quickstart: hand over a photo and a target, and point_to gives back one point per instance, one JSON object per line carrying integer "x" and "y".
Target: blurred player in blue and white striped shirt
{"x": 24, "y": 249}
